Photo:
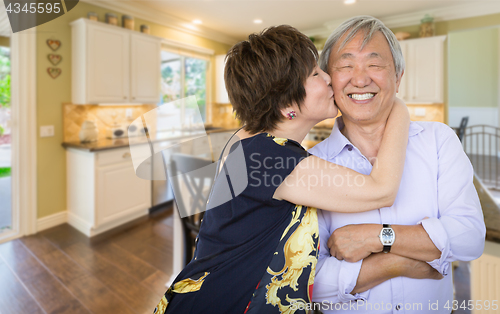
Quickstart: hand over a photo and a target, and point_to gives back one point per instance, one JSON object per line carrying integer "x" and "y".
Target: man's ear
{"x": 399, "y": 81}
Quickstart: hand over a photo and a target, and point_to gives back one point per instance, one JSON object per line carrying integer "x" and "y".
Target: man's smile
{"x": 364, "y": 96}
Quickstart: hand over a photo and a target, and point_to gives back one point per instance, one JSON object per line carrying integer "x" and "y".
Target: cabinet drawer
{"x": 114, "y": 156}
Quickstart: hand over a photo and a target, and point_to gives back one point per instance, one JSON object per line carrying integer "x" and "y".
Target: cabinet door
{"x": 145, "y": 65}
{"x": 120, "y": 192}
{"x": 402, "y": 92}
{"x": 221, "y": 96}
{"x": 108, "y": 64}
{"x": 425, "y": 82}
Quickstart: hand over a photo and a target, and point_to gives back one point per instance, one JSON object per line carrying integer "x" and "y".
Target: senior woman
{"x": 257, "y": 252}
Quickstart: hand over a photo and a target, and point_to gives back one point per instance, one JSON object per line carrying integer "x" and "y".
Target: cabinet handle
{"x": 133, "y": 97}
{"x": 126, "y": 155}
{"x": 124, "y": 97}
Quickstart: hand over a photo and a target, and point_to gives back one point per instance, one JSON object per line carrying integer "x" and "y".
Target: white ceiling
{"x": 5, "y": 29}
{"x": 235, "y": 17}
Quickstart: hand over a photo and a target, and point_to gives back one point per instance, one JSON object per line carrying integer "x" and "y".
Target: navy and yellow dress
{"x": 254, "y": 254}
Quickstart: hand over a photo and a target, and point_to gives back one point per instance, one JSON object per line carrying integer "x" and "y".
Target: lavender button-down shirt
{"x": 437, "y": 183}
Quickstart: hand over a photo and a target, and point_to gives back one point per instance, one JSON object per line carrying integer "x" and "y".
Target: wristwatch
{"x": 387, "y": 237}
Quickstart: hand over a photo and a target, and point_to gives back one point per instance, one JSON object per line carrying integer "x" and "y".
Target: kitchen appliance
{"x": 161, "y": 189}
{"x": 209, "y": 147}
{"x": 136, "y": 129}
{"x": 116, "y": 131}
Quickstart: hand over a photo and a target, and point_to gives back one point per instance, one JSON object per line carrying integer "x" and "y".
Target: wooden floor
{"x": 60, "y": 271}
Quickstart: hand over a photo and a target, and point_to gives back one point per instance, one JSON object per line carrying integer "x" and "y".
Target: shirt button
{"x": 349, "y": 148}
{"x": 398, "y": 307}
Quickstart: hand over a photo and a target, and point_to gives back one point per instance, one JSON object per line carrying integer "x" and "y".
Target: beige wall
{"x": 52, "y": 93}
{"x": 473, "y": 68}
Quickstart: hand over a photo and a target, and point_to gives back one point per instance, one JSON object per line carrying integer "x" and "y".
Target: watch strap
{"x": 387, "y": 248}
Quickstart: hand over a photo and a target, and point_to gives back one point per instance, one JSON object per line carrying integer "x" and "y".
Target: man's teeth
{"x": 361, "y": 96}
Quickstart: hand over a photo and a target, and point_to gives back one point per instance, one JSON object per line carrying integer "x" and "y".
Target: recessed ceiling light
{"x": 257, "y": 21}
{"x": 349, "y": 1}
{"x": 197, "y": 21}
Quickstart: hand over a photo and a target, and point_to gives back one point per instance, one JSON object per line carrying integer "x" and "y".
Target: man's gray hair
{"x": 369, "y": 25}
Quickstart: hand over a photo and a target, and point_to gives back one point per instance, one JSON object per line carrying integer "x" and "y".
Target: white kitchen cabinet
{"x": 423, "y": 80}
{"x": 145, "y": 65}
{"x": 113, "y": 65}
{"x": 103, "y": 190}
{"x": 221, "y": 96}
{"x": 485, "y": 286}
{"x": 107, "y": 69}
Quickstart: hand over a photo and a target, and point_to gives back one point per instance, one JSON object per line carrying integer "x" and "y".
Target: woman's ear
{"x": 285, "y": 111}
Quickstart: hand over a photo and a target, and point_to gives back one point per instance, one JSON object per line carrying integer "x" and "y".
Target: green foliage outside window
{"x": 5, "y": 172}
{"x": 4, "y": 77}
{"x": 193, "y": 82}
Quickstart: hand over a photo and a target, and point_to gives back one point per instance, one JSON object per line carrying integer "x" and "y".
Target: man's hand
{"x": 355, "y": 242}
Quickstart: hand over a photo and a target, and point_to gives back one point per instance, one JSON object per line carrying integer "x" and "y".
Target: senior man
{"x": 436, "y": 218}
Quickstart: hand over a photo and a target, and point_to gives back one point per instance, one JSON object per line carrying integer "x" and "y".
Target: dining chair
{"x": 191, "y": 179}
{"x": 461, "y": 128}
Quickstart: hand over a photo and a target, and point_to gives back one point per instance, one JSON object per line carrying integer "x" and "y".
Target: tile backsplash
{"x": 426, "y": 112}
{"x": 223, "y": 116}
{"x": 103, "y": 116}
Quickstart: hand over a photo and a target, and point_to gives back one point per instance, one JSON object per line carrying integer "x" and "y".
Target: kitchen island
{"x": 485, "y": 271}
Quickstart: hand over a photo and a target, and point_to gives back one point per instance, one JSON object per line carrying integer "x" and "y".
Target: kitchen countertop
{"x": 491, "y": 212}
{"x": 105, "y": 144}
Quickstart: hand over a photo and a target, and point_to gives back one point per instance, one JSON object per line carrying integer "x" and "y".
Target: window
{"x": 5, "y": 142}
{"x": 183, "y": 76}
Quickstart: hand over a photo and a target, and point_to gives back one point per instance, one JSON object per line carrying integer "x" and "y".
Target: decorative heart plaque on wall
{"x": 54, "y": 72}
{"x": 54, "y": 59}
{"x": 54, "y": 44}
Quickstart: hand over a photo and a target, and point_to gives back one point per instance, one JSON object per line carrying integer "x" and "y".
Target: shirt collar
{"x": 337, "y": 141}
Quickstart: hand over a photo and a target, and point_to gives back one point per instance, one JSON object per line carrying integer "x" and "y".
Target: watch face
{"x": 387, "y": 236}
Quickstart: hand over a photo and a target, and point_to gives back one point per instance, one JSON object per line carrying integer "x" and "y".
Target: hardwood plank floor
{"x": 60, "y": 270}
{"x": 51, "y": 294}
{"x": 15, "y": 298}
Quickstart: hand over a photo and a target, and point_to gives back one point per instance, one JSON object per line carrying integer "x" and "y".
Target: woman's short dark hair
{"x": 267, "y": 73}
